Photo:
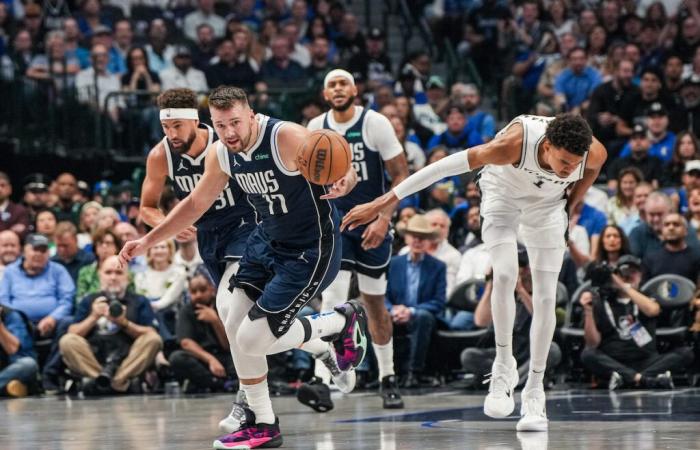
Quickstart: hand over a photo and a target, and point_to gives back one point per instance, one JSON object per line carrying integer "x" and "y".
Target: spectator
{"x": 71, "y": 37}
{"x": 416, "y": 294}
{"x": 300, "y": 14}
{"x": 22, "y": 52}
{"x": 13, "y": 216}
{"x": 592, "y": 219}
{"x": 641, "y": 192}
{"x": 373, "y": 62}
{"x": 320, "y": 63}
{"x": 350, "y": 41}
{"x": 67, "y": 208}
{"x": 414, "y": 154}
{"x": 650, "y": 91}
{"x": 204, "y": 47}
{"x": 182, "y": 74}
{"x": 54, "y": 66}
{"x": 123, "y": 40}
{"x": 297, "y": 51}
{"x": 610, "y": 19}
{"x": 160, "y": 52}
{"x": 459, "y": 135}
{"x": 559, "y": 17}
{"x": 638, "y": 157}
{"x": 127, "y": 232}
{"x": 689, "y": 37}
{"x": 478, "y": 119}
{"x": 107, "y": 218}
{"x": 646, "y": 237}
{"x": 620, "y": 334}
{"x": 45, "y": 224}
{"x": 686, "y": 149}
{"x": 441, "y": 249}
{"x": 102, "y": 35}
{"x": 41, "y": 289}
{"x": 662, "y": 140}
{"x": 91, "y": 17}
{"x": 436, "y": 93}
{"x": 675, "y": 257}
{"x": 88, "y": 219}
{"x": 689, "y": 181}
{"x": 104, "y": 244}
{"x": 606, "y": 107}
{"x": 475, "y": 261}
{"x": 204, "y": 14}
{"x": 36, "y": 196}
{"x": 247, "y": 48}
{"x": 109, "y": 349}
{"x": 229, "y": 71}
{"x": 621, "y": 206}
{"x": 33, "y": 23}
{"x": 68, "y": 253}
{"x": 280, "y": 70}
{"x": 612, "y": 245}
{"x": 203, "y": 356}
{"x": 96, "y": 83}
{"x": 693, "y": 210}
{"x": 10, "y": 249}
{"x": 407, "y": 112}
{"x": 574, "y": 85}
{"x": 478, "y": 361}
{"x": 690, "y": 96}
{"x": 673, "y": 75}
{"x": 596, "y": 45}
{"x": 139, "y": 77}
{"x": 18, "y": 366}
{"x": 187, "y": 258}
{"x": 443, "y": 193}
{"x": 247, "y": 12}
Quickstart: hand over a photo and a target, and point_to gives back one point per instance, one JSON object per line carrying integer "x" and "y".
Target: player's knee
{"x": 251, "y": 337}
{"x": 505, "y": 277}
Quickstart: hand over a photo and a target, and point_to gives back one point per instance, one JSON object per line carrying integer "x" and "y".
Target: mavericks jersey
{"x": 527, "y": 180}
{"x": 230, "y": 208}
{"x": 288, "y": 205}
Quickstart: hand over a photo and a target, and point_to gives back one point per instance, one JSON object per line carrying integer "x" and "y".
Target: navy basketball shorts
{"x": 283, "y": 277}
{"x": 373, "y": 263}
{"x": 219, "y": 245}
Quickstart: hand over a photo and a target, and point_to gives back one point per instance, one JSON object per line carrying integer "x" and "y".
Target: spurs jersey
{"x": 230, "y": 208}
{"x": 528, "y": 181}
{"x": 288, "y": 205}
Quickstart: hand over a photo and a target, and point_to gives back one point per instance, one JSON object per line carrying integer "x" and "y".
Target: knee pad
{"x": 254, "y": 337}
{"x": 372, "y": 286}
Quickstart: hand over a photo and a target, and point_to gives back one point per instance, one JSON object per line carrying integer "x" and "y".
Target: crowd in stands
{"x": 632, "y": 69}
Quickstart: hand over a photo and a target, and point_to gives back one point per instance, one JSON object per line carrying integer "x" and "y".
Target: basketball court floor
{"x": 579, "y": 419}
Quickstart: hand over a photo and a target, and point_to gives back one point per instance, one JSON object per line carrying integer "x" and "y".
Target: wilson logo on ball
{"x": 320, "y": 163}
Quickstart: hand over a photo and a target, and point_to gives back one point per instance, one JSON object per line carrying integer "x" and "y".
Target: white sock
{"x": 385, "y": 358}
{"x": 505, "y": 275}
{"x": 337, "y": 292}
{"x": 321, "y": 325}
{"x": 258, "y": 396}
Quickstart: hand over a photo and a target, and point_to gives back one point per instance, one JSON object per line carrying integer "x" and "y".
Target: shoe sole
{"x": 275, "y": 442}
{"x": 497, "y": 414}
{"x": 350, "y": 385}
{"x": 307, "y": 396}
{"x": 538, "y": 426}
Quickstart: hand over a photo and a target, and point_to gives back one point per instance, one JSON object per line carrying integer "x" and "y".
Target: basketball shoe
{"x": 238, "y": 416}
{"x": 499, "y": 402}
{"x": 351, "y": 343}
{"x": 533, "y": 412}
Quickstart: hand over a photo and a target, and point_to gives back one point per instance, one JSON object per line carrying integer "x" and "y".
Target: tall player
{"x": 367, "y": 249}
{"x": 291, "y": 256}
{"x": 525, "y": 172}
{"x": 223, "y": 230}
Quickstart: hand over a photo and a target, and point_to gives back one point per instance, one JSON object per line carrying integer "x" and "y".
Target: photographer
{"x": 114, "y": 336}
{"x": 204, "y": 357}
{"x": 620, "y": 330}
{"x": 18, "y": 365}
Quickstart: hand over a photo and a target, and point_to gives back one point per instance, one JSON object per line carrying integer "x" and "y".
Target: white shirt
{"x": 194, "y": 79}
{"x": 415, "y": 156}
{"x": 196, "y": 18}
{"x": 301, "y": 54}
{"x": 452, "y": 259}
{"x": 377, "y": 131}
{"x": 475, "y": 263}
{"x": 188, "y": 266}
{"x": 163, "y": 287}
{"x": 107, "y": 83}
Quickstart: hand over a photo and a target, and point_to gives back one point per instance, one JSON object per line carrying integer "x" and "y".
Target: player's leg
{"x": 545, "y": 264}
{"x": 499, "y": 234}
{"x": 335, "y": 294}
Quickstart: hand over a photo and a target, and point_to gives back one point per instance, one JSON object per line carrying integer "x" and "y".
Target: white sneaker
{"x": 344, "y": 381}
{"x": 533, "y": 411}
{"x": 237, "y": 416}
{"x": 499, "y": 402}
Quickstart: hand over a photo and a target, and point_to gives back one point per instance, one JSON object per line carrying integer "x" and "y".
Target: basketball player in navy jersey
{"x": 293, "y": 254}
{"x": 525, "y": 172}
{"x": 367, "y": 249}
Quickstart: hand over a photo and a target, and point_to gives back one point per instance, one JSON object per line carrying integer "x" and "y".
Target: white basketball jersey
{"x": 527, "y": 180}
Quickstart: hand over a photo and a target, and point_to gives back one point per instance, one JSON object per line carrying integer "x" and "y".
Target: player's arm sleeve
{"x": 455, "y": 164}
{"x": 383, "y": 137}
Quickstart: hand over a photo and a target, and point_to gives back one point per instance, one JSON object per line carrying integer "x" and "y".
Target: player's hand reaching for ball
{"x": 367, "y": 212}
{"x": 131, "y": 250}
{"x": 343, "y": 186}
{"x": 186, "y": 235}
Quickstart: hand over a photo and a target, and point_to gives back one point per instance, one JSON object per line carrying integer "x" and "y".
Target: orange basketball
{"x": 324, "y": 157}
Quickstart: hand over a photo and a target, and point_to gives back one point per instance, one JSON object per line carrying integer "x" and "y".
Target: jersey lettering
{"x": 358, "y": 160}
{"x": 187, "y": 183}
{"x": 265, "y": 184}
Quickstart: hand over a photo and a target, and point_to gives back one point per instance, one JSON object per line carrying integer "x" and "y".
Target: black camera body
{"x": 600, "y": 276}
{"x": 115, "y": 306}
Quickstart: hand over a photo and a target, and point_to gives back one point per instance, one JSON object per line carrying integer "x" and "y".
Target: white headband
{"x": 179, "y": 113}
{"x": 338, "y": 73}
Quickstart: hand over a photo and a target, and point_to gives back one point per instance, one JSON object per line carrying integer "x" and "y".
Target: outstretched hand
{"x": 343, "y": 186}
{"x": 131, "y": 250}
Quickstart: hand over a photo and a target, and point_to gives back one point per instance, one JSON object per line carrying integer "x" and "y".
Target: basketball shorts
{"x": 374, "y": 263}
{"x": 282, "y": 278}
{"x": 219, "y": 245}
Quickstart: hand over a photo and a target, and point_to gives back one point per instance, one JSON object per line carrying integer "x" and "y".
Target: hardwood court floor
{"x": 579, "y": 419}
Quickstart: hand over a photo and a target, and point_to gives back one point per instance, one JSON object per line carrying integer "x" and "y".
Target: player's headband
{"x": 179, "y": 113}
{"x": 338, "y": 73}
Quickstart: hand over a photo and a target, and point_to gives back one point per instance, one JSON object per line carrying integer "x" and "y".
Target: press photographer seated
{"x": 114, "y": 336}
{"x": 620, "y": 330}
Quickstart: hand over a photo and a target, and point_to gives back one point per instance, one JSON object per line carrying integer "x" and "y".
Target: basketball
{"x": 324, "y": 157}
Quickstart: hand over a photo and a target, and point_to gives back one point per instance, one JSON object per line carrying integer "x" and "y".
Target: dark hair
{"x": 577, "y": 49}
{"x": 636, "y": 173}
{"x": 602, "y": 254}
{"x": 129, "y": 65}
{"x": 201, "y": 271}
{"x": 676, "y": 157}
{"x": 571, "y": 133}
{"x": 224, "y": 97}
{"x": 99, "y": 236}
{"x": 65, "y": 227}
{"x": 6, "y": 177}
{"x": 177, "y": 98}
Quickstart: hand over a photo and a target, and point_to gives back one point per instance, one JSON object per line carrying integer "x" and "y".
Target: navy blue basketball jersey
{"x": 288, "y": 205}
{"x": 231, "y": 207}
{"x": 368, "y": 163}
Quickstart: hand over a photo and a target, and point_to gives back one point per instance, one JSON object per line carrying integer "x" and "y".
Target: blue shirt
{"x": 115, "y": 65}
{"x": 49, "y": 293}
{"x": 592, "y": 220}
{"x": 577, "y": 88}
{"x": 468, "y": 137}
{"x": 413, "y": 277}
{"x": 662, "y": 149}
{"x": 18, "y": 328}
{"x": 484, "y": 124}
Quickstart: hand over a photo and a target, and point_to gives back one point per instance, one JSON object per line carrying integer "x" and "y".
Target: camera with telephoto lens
{"x": 600, "y": 276}
{"x": 115, "y": 306}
